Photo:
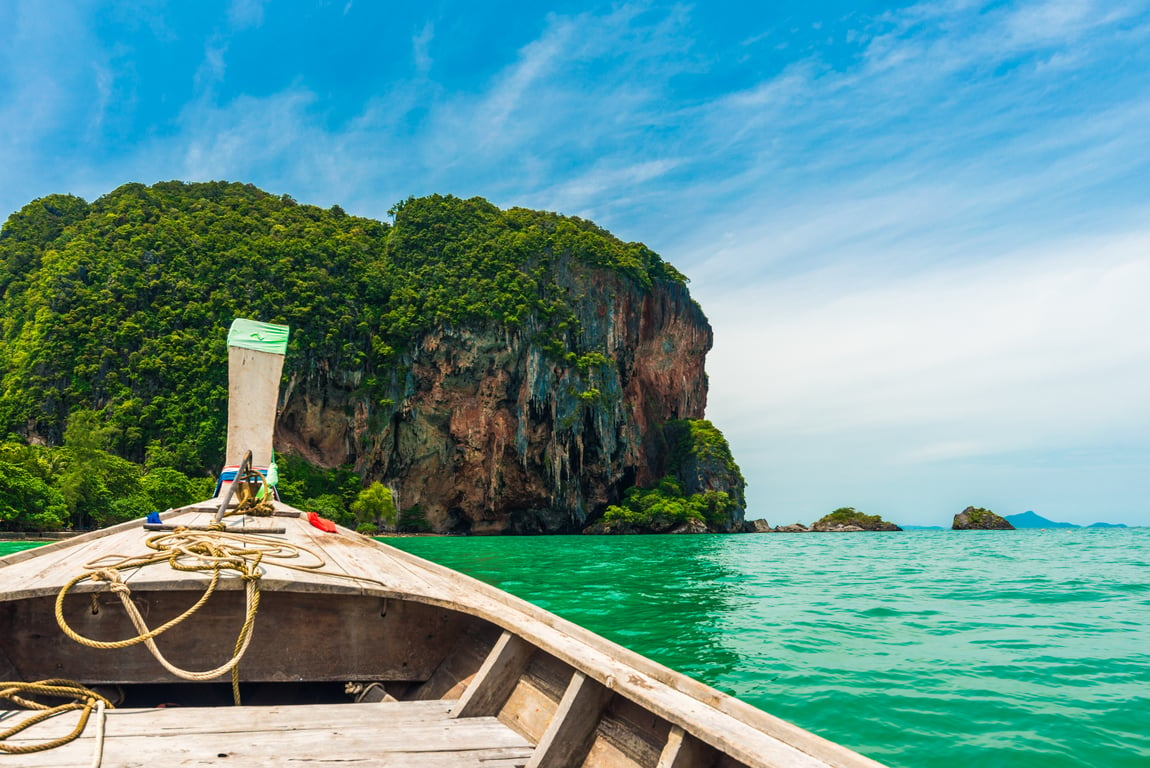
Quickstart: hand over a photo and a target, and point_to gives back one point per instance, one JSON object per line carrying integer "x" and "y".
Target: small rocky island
{"x": 842, "y": 520}
{"x": 847, "y": 519}
{"x": 979, "y": 519}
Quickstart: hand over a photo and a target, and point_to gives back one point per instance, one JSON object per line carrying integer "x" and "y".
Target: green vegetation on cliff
{"x": 119, "y": 306}
{"x": 702, "y": 483}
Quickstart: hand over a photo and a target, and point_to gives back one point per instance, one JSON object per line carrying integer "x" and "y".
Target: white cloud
{"x": 1036, "y": 352}
{"x": 244, "y": 14}
{"x": 420, "y": 46}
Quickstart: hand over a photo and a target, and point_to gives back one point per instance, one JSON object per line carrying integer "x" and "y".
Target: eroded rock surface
{"x": 488, "y": 433}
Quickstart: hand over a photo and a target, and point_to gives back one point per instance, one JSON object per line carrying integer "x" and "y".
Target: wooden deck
{"x": 420, "y": 734}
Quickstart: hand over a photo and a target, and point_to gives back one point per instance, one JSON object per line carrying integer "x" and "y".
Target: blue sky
{"x": 921, "y": 230}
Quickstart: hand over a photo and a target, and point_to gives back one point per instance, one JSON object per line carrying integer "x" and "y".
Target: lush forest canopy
{"x": 113, "y": 317}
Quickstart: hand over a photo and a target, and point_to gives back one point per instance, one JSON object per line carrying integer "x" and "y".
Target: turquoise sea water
{"x": 931, "y": 648}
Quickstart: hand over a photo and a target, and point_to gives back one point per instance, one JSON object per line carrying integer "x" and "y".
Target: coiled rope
{"x": 214, "y": 551}
{"x": 83, "y": 699}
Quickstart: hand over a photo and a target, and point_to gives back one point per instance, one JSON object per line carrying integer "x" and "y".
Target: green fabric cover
{"x": 263, "y": 337}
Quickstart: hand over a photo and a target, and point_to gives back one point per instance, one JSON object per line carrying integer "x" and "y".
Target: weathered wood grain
{"x": 496, "y": 678}
{"x": 568, "y": 736}
{"x": 683, "y": 751}
{"x": 384, "y": 734}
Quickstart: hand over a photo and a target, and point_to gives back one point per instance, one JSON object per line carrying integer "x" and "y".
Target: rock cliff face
{"x": 489, "y": 433}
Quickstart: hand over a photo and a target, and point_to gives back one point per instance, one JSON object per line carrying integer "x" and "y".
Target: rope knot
{"x": 109, "y": 575}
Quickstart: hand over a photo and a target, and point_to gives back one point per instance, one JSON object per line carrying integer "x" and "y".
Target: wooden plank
{"x": 8, "y": 670}
{"x": 458, "y": 668}
{"x": 628, "y": 735}
{"x": 496, "y": 678}
{"x": 568, "y": 737}
{"x": 297, "y": 637}
{"x": 684, "y": 751}
{"x": 385, "y": 734}
{"x": 162, "y": 527}
{"x": 47, "y": 574}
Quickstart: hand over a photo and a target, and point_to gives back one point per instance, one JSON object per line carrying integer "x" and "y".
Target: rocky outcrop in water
{"x": 847, "y": 519}
{"x": 979, "y": 519}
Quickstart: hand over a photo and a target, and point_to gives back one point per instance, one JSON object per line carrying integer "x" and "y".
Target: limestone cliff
{"x": 499, "y": 369}
{"x": 488, "y": 432}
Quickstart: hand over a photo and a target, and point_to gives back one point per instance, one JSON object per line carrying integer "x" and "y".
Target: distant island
{"x": 980, "y": 519}
{"x": 1030, "y": 519}
{"x": 848, "y": 519}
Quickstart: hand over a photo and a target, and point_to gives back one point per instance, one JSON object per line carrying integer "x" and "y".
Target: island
{"x": 980, "y": 519}
{"x": 846, "y": 519}
{"x": 472, "y": 369}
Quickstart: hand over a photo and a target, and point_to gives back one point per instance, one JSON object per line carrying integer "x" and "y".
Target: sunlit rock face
{"x": 488, "y": 432}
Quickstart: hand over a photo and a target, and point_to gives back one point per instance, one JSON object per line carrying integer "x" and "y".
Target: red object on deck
{"x": 321, "y": 522}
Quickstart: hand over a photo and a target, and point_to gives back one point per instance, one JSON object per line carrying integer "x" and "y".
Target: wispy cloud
{"x": 420, "y": 45}
{"x": 243, "y": 14}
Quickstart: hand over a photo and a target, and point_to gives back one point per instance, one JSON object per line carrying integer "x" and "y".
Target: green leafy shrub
{"x": 27, "y": 503}
{"x": 374, "y": 505}
{"x": 667, "y": 504}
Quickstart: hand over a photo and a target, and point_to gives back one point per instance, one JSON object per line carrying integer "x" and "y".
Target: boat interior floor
{"x": 421, "y": 734}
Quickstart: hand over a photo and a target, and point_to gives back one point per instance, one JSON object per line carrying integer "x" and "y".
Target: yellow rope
{"x": 82, "y": 699}
{"x": 208, "y": 551}
{"x": 253, "y": 492}
{"x": 214, "y": 551}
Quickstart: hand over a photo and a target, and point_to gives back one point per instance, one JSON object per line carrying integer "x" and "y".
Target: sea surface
{"x": 920, "y": 648}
